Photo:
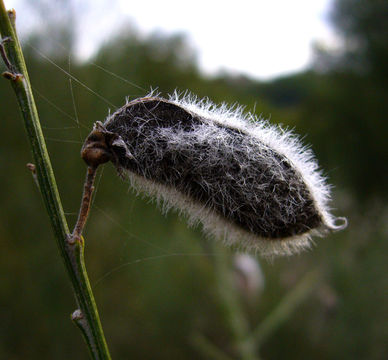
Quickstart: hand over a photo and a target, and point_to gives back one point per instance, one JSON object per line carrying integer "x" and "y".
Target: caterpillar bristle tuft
{"x": 249, "y": 183}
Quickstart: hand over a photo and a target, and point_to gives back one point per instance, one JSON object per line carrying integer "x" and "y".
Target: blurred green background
{"x": 163, "y": 291}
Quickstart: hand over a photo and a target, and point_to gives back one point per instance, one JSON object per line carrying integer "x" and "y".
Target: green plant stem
{"x": 285, "y": 308}
{"x": 207, "y": 349}
{"x": 72, "y": 253}
{"x": 232, "y": 308}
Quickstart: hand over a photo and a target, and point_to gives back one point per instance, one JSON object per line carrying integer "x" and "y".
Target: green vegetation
{"x": 154, "y": 278}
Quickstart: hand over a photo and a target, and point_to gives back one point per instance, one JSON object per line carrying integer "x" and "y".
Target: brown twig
{"x": 85, "y": 204}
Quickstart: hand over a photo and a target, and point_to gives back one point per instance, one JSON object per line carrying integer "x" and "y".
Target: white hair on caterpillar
{"x": 249, "y": 183}
{"x": 214, "y": 225}
{"x": 283, "y": 141}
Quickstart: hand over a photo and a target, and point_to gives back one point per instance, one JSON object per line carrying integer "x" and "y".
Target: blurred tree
{"x": 363, "y": 27}
{"x": 56, "y": 18}
{"x": 350, "y": 104}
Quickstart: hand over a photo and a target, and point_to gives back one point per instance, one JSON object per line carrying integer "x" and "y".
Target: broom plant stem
{"x": 86, "y": 316}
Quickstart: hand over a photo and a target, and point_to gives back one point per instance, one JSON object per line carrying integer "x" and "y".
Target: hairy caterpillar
{"x": 249, "y": 183}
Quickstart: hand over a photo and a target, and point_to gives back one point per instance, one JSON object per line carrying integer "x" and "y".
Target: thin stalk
{"x": 85, "y": 203}
{"x": 208, "y": 349}
{"x": 233, "y": 312}
{"x": 72, "y": 252}
{"x": 285, "y": 308}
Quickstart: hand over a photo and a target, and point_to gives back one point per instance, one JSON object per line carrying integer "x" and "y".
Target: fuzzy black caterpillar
{"x": 249, "y": 183}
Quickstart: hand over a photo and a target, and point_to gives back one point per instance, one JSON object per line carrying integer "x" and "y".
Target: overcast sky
{"x": 260, "y": 38}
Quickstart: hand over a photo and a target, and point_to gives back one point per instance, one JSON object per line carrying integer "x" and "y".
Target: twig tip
{"x": 31, "y": 167}
{"x": 77, "y": 315}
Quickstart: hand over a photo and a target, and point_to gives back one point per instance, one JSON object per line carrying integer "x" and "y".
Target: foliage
{"x": 156, "y": 300}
